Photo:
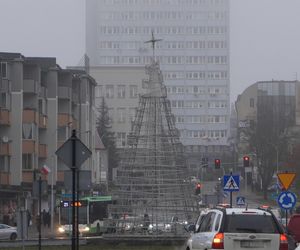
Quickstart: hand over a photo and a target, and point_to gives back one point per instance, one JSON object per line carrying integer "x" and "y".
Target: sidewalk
{"x": 33, "y": 233}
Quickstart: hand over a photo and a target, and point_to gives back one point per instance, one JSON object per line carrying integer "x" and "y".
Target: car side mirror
{"x": 190, "y": 228}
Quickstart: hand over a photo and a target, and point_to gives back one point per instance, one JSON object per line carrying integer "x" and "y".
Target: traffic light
{"x": 246, "y": 160}
{"x": 217, "y": 163}
{"x": 198, "y": 189}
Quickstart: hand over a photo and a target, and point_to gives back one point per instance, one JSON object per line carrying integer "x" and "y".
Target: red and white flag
{"x": 45, "y": 170}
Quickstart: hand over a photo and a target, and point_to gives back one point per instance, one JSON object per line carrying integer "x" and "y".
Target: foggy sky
{"x": 265, "y": 36}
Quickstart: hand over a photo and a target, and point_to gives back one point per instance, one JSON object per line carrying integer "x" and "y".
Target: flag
{"x": 45, "y": 170}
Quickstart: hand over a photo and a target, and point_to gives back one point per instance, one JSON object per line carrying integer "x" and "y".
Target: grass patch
{"x": 101, "y": 247}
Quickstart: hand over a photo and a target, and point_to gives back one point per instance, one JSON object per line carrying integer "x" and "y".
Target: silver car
{"x": 7, "y": 232}
{"x": 239, "y": 229}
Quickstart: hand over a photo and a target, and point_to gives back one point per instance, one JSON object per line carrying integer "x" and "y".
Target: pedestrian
{"x": 44, "y": 217}
{"x": 48, "y": 219}
{"x": 28, "y": 217}
{"x": 146, "y": 223}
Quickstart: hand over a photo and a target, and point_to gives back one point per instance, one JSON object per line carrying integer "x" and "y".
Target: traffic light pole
{"x": 74, "y": 226}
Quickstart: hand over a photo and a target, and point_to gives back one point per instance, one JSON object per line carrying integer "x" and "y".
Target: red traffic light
{"x": 217, "y": 163}
{"x": 198, "y": 185}
{"x": 246, "y": 160}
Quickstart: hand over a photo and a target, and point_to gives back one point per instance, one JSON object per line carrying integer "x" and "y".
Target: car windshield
{"x": 250, "y": 224}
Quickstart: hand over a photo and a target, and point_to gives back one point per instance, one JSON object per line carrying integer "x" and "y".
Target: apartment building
{"x": 193, "y": 54}
{"x": 120, "y": 86}
{"x": 40, "y": 104}
{"x": 271, "y": 108}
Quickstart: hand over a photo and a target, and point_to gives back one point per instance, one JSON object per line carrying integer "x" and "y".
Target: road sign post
{"x": 286, "y": 200}
{"x": 231, "y": 184}
{"x": 73, "y": 153}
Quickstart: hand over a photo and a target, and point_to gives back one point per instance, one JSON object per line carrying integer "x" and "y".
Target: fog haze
{"x": 265, "y": 36}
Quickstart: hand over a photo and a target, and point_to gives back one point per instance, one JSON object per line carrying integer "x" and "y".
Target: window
{"x": 121, "y": 91}
{"x": 252, "y": 102}
{"x": 27, "y": 161}
{"x": 207, "y": 224}
{"x": 109, "y": 91}
{"x": 121, "y": 139}
{"x": 99, "y": 91}
{"x": 4, "y": 163}
{"x": 3, "y": 69}
{"x": 121, "y": 115}
{"x": 217, "y": 224}
{"x": 111, "y": 115}
{"x": 28, "y": 131}
{"x": 132, "y": 113}
{"x": 133, "y": 91}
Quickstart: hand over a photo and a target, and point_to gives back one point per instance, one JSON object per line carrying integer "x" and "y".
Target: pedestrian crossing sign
{"x": 240, "y": 201}
{"x": 231, "y": 183}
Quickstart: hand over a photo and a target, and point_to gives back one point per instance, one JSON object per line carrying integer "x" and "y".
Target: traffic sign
{"x": 286, "y": 179}
{"x": 287, "y": 200}
{"x": 231, "y": 183}
{"x": 240, "y": 200}
{"x": 81, "y": 152}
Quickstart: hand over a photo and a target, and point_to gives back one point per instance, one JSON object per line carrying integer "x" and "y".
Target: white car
{"x": 238, "y": 229}
{"x": 7, "y": 232}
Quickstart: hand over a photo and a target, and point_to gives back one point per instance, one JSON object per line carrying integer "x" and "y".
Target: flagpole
{"x": 231, "y": 194}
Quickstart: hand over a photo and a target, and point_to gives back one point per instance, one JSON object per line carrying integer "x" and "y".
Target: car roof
{"x": 246, "y": 211}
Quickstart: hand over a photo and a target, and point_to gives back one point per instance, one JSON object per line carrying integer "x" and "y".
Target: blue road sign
{"x": 287, "y": 200}
{"x": 240, "y": 200}
{"x": 231, "y": 183}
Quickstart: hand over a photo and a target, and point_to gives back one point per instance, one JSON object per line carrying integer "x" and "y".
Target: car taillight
{"x": 283, "y": 242}
{"x": 218, "y": 241}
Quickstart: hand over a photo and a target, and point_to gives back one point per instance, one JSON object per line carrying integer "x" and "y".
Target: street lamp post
{"x": 52, "y": 195}
{"x": 54, "y": 171}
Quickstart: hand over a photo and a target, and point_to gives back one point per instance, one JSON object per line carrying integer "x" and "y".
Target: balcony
{"x": 30, "y": 116}
{"x": 5, "y": 86}
{"x": 64, "y": 120}
{"x": 74, "y": 123}
{"x": 43, "y": 92}
{"x": 5, "y": 149}
{"x": 30, "y": 86}
{"x": 75, "y": 98}
{"x": 4, "y": 117}
{"x": 28, "y": 146}
{"x": 60, "y": 176}
{"x": 43, "y": 121}
{"x": 4, "y": 178}
{"x": 64, "y": 92}
{"x": 43, "y": 151}
{"x": 27, "y": 176}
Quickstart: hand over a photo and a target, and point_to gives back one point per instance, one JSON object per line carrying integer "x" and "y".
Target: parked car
{"x": 294, "y": 227}
{"x": 7, "y": 232}
{"x": 237, "y": 228}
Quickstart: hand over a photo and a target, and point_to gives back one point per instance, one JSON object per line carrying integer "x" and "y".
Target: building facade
{"x": 120, "y": 86}
{"x": 269, "y": 110}
{"x": 194, "y": 58}
{"x": 40, "y": 103}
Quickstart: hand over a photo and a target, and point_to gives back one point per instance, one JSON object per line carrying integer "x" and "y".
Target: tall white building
{"x": 194, "y": 58}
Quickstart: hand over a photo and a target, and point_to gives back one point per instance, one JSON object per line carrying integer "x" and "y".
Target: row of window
{"x": 122, "y": 116}
{"x": 162, "y": 15}
{"x": 196, "y": 75}
{"x": 163, "y": 59}
{"x": 201, "y": 119}
{"x": 161, "y": 2}
{"x": 204, "y": 134}
{"x": 215, "y": 134}
{"x": 140, "y": 46}
{"x": 3, "y": 69}
{"x": 179, "y": 30}
{"x": 119, "y": 91}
